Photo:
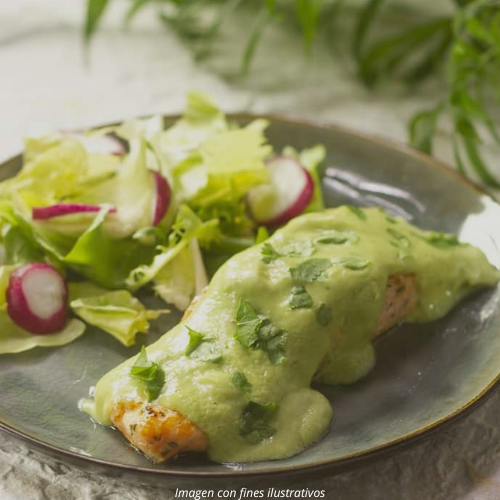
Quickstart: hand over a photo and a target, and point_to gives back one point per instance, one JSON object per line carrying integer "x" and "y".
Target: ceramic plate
{"x": 425, "y": 377}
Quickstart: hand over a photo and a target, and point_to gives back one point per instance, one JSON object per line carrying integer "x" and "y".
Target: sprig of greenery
{"x": 462, "y": 48}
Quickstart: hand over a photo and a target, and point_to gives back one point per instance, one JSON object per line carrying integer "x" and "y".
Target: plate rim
{"x": 346, "y": 460}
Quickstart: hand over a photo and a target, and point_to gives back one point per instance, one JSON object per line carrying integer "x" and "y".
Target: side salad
{"x": 93, "y": 218}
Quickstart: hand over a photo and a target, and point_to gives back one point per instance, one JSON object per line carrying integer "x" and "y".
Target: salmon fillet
{"x": 161, "y": 433}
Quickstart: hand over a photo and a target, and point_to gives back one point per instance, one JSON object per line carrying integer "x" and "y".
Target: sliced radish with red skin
{"x": 162, "y": 197}
{"x": 291, "y": 190}
{"x": 98, "y": 143}
{"x": 59, "y": 209}
{"x": 37, "y": 298}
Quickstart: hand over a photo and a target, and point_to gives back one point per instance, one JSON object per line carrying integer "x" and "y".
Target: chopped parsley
{"x": 300, "y": 298}
{"x": 257, "y": 332}
{"x": 150, "y": 373}
{"x": 241, "y": 383}
{"x": 357, "y": 211}
{"x": 354, "y": 262}
{"x": 310, "y": 270}
{"x": 254, "y": 422}
{"x": 201, "y": 347}
{"x": 323, "y": 315}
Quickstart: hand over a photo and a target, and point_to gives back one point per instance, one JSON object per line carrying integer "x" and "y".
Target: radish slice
{"x": 289, "y": 193}
{"x": 98, "y": 143}
{"x": 44, "y": 213}
{"x": 37, "y": 298}
{"x": 162, "y": 197}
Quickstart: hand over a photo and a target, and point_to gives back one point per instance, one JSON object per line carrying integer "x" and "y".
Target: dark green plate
{"x": 426, "y": 375}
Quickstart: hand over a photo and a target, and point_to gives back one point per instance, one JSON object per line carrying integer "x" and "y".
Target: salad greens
{"x": 112, "y": 247}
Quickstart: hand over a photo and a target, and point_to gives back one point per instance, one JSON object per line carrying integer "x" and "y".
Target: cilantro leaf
{"x": 269, "y": 254}
{"x": 248, "y": 324}
{"x": 195, "y": 339}
{"x": 254, "y": 422}
{"x": 310, "y": 270}
{"x": 333, "y": 238}
{"x": 150, "y": 373}
{"x": 207, "y": 351}
{"x": 275, "y": 347}
{"x": 323, "y": 315}
{"x": 293, "y": 249}
{"x": 302, "y": 248}
{"x": 357, "y": 211}
{"x": 201, "y": 347}
{"x": 257, "y": 332}
{"x": 241, "y": 383}
{"x": 300, "y": 298}
{"x": 354, "y": 262}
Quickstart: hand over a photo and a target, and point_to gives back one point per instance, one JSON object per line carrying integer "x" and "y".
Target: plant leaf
{"x": 422, "y": 128}
{"x": 95, "y": 10}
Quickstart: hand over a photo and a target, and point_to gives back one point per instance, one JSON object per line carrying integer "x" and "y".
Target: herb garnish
{"x": 353, "y": 262}
{"x": 357, "y": 211}
{"x": 323, "y": 315}
{"x": 293, "y": 249}
{"x": 300, "y": 298}
{"x": 310, "y": 270}
{"x": 333, "y": 237}
{"x": 257, "y": 332}
{"x": 150, "y": 373}
{"x": 269, "y": 254}
{"x": 254, "y": 422}
{"x": 200, "y": 347}
{"x": 441, "y": 240}
{"x": 241, "y": 383}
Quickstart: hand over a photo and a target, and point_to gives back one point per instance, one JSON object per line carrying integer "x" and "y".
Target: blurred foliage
{"x": 462, "y": 48}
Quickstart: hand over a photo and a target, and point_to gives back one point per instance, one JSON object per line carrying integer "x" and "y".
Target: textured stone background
{"x": 46, "y": 85}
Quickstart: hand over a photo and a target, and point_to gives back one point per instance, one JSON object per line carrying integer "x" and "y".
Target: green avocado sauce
{"x": 301, "y": 306}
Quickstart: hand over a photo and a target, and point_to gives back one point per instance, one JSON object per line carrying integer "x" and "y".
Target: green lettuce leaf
{"x": 53, "y": 169}
{"x": 103, "y": 260}
{"x": 187, "y": 226}
{"x": 14, "y": 339}
{"x": 182, "y": 278}
{"x": 116, "y": 312}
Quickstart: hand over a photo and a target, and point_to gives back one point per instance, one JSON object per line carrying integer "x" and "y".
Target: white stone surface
{"x": 45, "y": 84}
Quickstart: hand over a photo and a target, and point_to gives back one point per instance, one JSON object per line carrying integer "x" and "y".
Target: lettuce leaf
{"x": 186, "y": 227}
{"x": 182, "y": 278}
{"x": 116, "y": 312}
{"x": 105, "y": 261}
{"x": 53, "y": 169}
{"x": 14, "y": 339}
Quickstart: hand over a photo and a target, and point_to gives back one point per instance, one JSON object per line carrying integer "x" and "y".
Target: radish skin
{"x": 37, "y": 298}
{"x": 291, "y": 190}
{"x": 162, "y": 197}
{"x": 44, "y": 213}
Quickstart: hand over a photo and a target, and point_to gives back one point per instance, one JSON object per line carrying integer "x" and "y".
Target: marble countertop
{"x": 46, "y": 84}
